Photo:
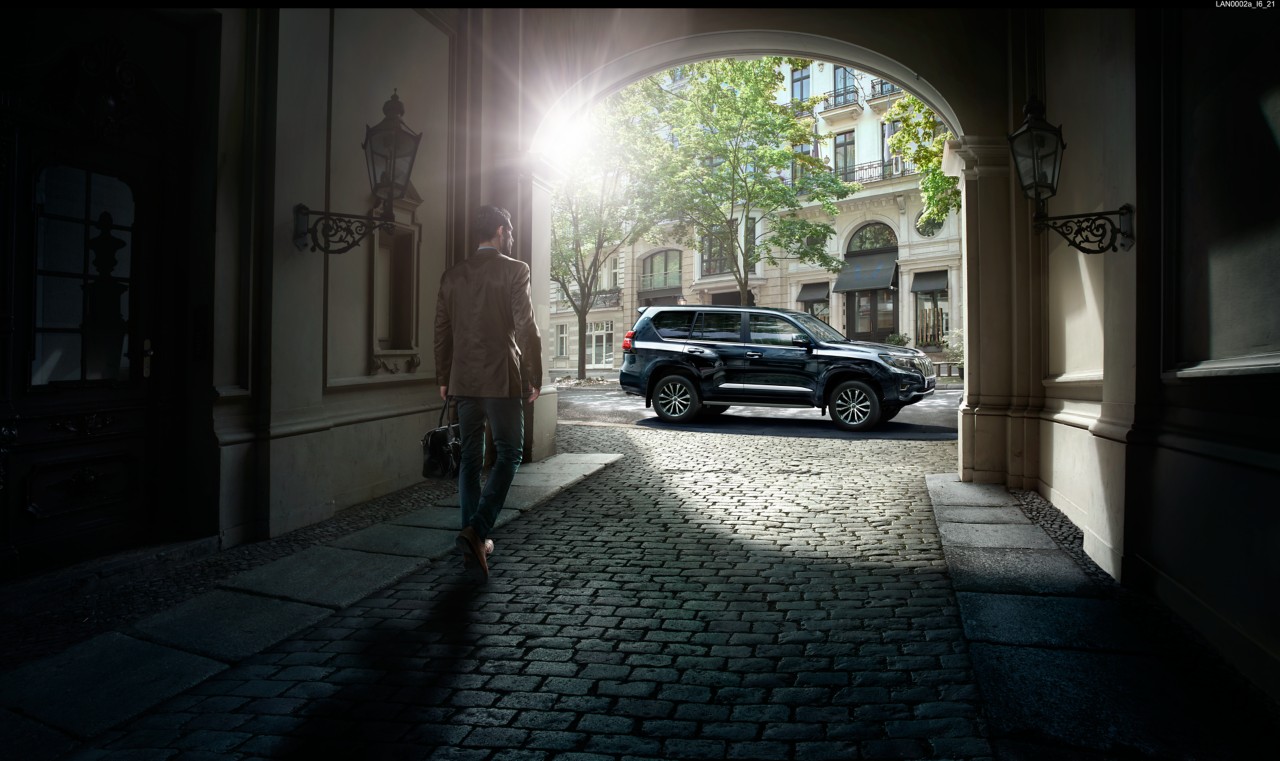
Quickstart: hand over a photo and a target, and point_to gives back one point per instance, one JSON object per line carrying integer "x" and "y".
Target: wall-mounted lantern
{"x": 1037, "y": 156}
{"x": 390, "y": 149}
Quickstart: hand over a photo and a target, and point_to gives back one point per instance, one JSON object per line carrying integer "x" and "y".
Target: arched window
{"x": 661, "y": 270}
{"x": 870, "y": 237}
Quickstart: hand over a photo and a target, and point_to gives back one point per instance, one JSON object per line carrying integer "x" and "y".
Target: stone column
{"x": 998, "y": 415}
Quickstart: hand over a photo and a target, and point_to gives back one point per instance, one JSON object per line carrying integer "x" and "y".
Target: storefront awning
{"x": 923, "y": 282}
{"x": 814, "y": 292}
{"x": 868, "y": 272}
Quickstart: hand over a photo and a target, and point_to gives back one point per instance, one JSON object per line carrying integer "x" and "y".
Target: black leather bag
{"x": 442, "y": 449}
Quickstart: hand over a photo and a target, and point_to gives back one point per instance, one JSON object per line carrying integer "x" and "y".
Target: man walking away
{"x": 489, "y": 358}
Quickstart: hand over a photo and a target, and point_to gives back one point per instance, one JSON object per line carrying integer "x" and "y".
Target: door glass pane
{"x": 59, "y": 302}
{"x": 57, "y": 358}
{"x": 60, "y": 246}
{"x": 863, "y": 312}
{"x": 110, "y": 195}
{"x": 81, "y": 284}
{"x": 61, "y": 192}
{"x": 885, "y": 316}
{"x": 119, "y": 241}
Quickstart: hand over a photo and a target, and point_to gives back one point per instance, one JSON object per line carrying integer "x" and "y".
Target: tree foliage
{"x": 598, "y": 209}
{"x": 730, "y": 155}
{"x": 920, "y": 142}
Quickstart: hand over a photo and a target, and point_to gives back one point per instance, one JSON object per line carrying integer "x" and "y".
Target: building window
{"x": 881, "y": 88}
{"x": 870, "y": 237}
{"x": 717, "y": 253}
{"x": 800, "y": 84}
{"x": 797, "y": 168}
{"x": 888, "y": 130}
{"x": 600, "y": 343}
{"x": 846, "y": 91}
{"x": 933, "y": 318}
{"x": 932, "y": 307}
{"x": 844, "y": 156}
{"x": 661, "y": 270}
{"x": 818, "y": 308}
{"x": 607, "y": 275}
{"x": 927, "y": 227}
{"x": 562, "y": 340}
{"x": 815, "y": 299}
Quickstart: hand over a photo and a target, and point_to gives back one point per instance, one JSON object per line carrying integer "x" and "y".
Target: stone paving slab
{"x": 518, "y": 498}
{"x": 1120, "y": 703}
{"x": 1067, "y": 622}
{"x": 30, "y": 740}
{"x": 102, "y": 682}
{"x": 391, "y": 539}
{"x": 1016, "y": 571}
{"x": 436, "y": 516}
{"x": 330, "y": 576}
{"x": 948, "y": 489}
{"x": 1029, "y": 537}
{"x": 247, "y": 624}
{"x": 973, "y": 514}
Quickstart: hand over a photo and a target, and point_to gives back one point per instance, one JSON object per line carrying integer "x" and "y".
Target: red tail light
{"x": 626, "y": 340}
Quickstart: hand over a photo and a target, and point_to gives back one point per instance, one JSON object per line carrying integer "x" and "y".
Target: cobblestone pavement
{"x": 707, "y": 596}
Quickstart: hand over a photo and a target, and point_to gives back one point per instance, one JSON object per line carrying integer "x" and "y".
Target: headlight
{"x": 902, "y": 363}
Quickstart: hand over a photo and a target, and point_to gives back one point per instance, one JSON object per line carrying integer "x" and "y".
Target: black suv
{"x": 691, "y": 360}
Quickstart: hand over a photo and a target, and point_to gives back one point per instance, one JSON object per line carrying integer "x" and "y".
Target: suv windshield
{"x": 819, "y": 329}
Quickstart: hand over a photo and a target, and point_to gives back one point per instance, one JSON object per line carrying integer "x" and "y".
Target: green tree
{"x": 919, "y": 142}
{"x": 734, "y": 154}
{"x": 598, "y": 209}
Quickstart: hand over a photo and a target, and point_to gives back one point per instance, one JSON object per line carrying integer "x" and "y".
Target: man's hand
{"x": 534, "y": 391}
{"x": 444, "y": 392}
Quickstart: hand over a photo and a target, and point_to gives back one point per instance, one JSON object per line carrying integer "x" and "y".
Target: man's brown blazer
{"x": 487, "y": 343}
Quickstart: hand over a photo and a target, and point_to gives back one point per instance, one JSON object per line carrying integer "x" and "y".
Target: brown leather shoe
{"x": 473, "y": 552}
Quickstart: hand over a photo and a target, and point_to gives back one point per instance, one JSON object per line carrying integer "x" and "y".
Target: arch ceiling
{"x": 643, "y": 62}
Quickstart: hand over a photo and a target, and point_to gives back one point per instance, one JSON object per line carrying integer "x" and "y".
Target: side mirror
{"x": 799, "y": 339}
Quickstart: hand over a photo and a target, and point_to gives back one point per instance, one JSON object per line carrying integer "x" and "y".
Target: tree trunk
{"x": 582, "y": 345}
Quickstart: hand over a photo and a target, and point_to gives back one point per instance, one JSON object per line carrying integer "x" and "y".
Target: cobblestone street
{"x": 707, "y": 596}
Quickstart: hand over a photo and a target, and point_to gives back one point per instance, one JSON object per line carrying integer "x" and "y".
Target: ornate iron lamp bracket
{"x": 334, "y": 233}
{"x": 1092, "y": 233}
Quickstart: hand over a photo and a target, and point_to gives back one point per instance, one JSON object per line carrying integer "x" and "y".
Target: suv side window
{"x": 673, "y": 326}
{"x": 725, "y": 327}
{"x": 769, "y": 330}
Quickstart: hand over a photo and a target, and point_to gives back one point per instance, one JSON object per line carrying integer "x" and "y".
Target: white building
{"x": 901, "y": 276}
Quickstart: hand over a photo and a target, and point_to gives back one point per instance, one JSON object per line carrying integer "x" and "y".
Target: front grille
{"x": 924, "y": 365}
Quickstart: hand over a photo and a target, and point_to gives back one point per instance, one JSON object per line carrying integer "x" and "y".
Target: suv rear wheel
{"x": 854, "y": 406}
{"x": 675, "y": 399}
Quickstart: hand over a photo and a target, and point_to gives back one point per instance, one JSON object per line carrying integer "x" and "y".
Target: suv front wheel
{"x": 675, "y": 399}
{"x": 854, "y": 406}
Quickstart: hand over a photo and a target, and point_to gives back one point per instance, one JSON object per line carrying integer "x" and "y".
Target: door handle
{"x": 694, "y": 350}
{"x": 753, "y": 355}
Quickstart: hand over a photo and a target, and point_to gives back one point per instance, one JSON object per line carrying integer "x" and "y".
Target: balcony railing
{"x": 655, "y": 280}
{"x": 875, "y": 171}
{"x": 841, "y": 98}
{"x": 610, "y": 299}
{"x": 881, "y": 88}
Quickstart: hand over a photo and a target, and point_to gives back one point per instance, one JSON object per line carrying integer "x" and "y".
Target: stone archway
{"x": 998, "y": 431}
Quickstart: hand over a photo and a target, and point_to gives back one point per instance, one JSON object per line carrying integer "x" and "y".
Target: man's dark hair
{"x": 488, "y": 220}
